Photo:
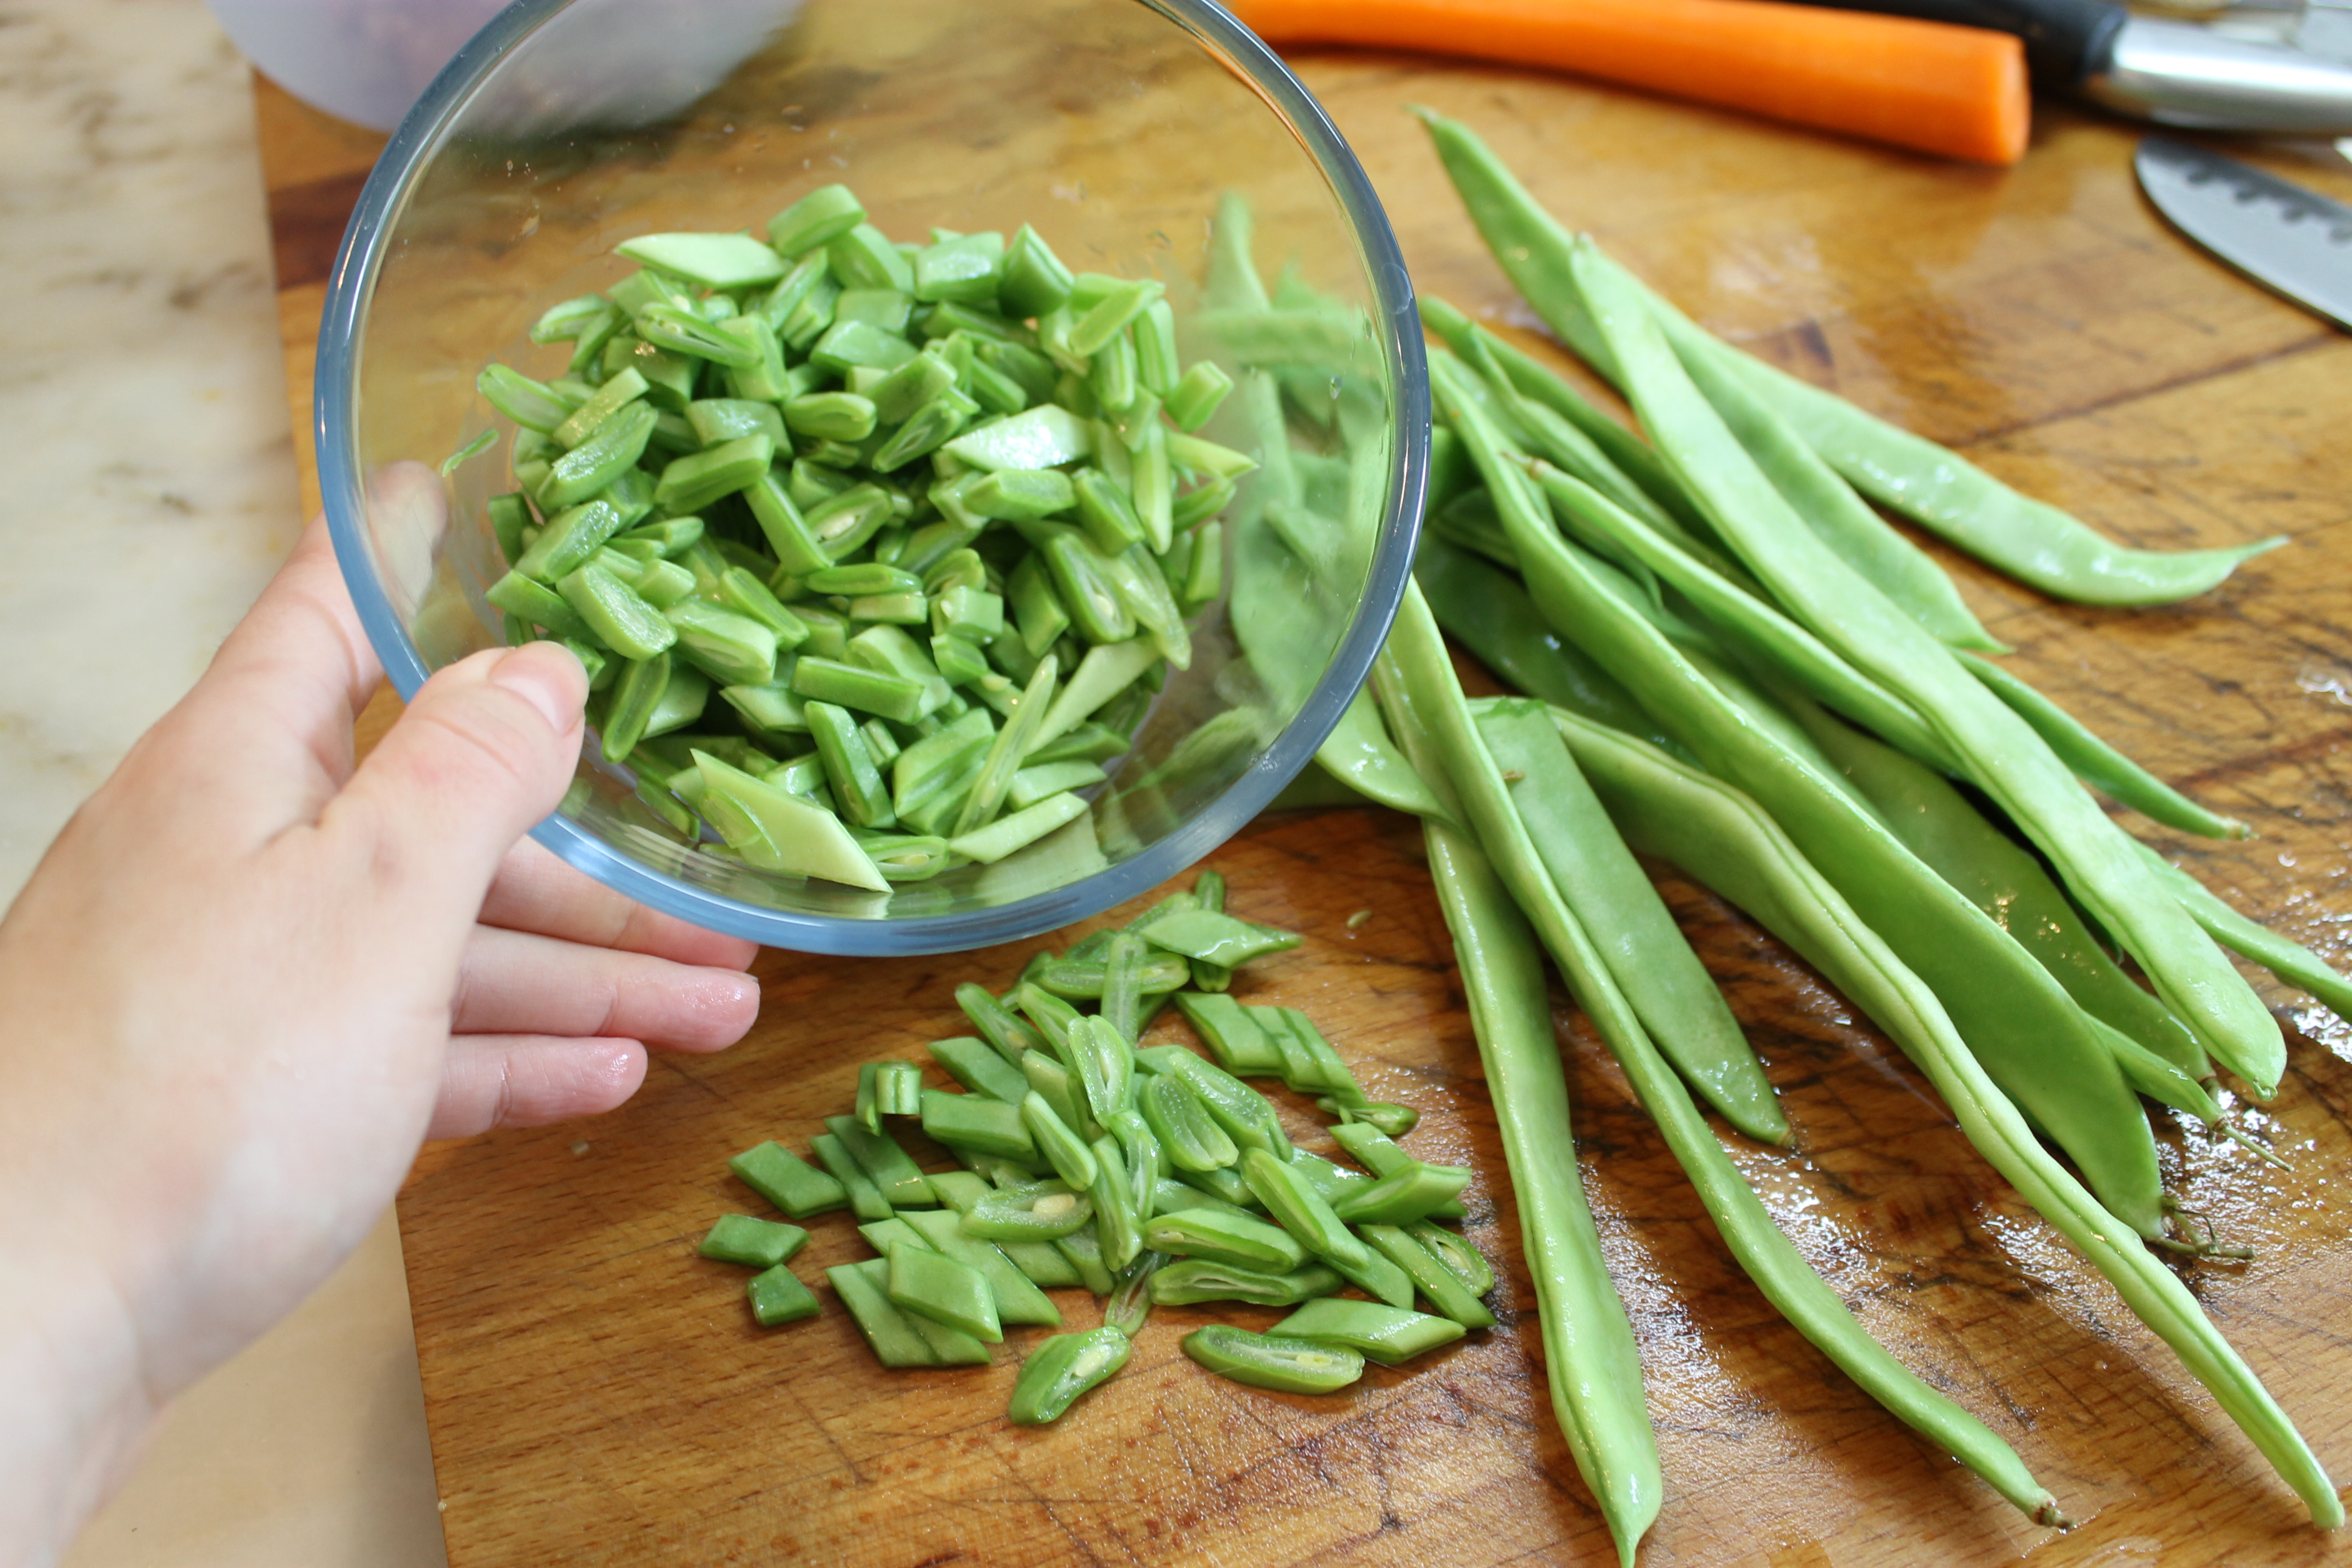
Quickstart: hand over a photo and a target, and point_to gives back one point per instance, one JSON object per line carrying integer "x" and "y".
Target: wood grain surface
{"x": 598, "y": 1395}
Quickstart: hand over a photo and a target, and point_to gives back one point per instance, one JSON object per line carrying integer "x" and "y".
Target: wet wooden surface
{"x": 598, "y": 1395}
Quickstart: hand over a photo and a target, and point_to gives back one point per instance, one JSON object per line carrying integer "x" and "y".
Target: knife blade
{"x": 2296, "y": 242}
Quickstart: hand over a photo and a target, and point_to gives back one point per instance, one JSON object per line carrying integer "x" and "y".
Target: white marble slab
{"x": 150, "y": 492}
{"x": 151, "y": 487}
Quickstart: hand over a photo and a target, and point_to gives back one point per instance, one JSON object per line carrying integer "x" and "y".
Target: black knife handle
{"x": 2066, "y": 40}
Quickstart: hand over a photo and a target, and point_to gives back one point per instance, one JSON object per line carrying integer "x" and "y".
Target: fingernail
{"x": 549, "y": 677}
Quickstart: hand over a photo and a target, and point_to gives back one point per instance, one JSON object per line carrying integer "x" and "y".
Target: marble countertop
{"x": 153, "y": 490}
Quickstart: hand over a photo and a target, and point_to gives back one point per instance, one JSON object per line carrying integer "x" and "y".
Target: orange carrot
{"x": 1958, "y": 91}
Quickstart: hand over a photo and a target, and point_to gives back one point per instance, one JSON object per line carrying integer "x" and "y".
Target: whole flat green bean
{"x": 1670, "y": 989}
{"x": 2032, "y": 1036}
{"x": 1537, "y": 382}
{"x": 1938, "y": 824}
{"x": 1749, "y": 623}
{"x": 1425, "y": 707}
{"x": 2001, "y": 753}
{"x": 2100, "y": 765}
{"x": 1553, "y": 436}
{"x": 2012, "y": 1011}
{"x": 2032, "y": 541}
{"x": 1489, "y": 612}
{"x": 1734, "y": 846}
{"x": 1899, "y": 569}
{"x": 2290, "y": 961}
{"x": 1360, "y": 755}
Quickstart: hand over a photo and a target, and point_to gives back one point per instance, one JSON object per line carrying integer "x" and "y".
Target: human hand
{"x": 249, "y": 979}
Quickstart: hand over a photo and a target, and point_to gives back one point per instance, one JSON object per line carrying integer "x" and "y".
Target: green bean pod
{"x": 1752, "y": 626}
{"x": 1104, "y": 1062}
{"x": 1412, "y": 1192}
{"x": 2001, "y": 753}
{"x": 2035, "y": 1039}
{"x": 2291, "y": 961}
{"x": 1936, "y": 822}
{"x": 1360, "y": 755}
{"x": 1456, "y": 1252}
{"x": 997, "y": 1024}
{"x": 1537, "y": 383}
{"x": 1897, "y": 568}
{"x": 1046, "y": 1210}
{"x": 1489, "y": 612}
{"x": 1732, "y": 843}
{"x": 1122, "y": 1005}
{"x": 1425, "y": 707}
{"x": 2100, "y": 765}
{"x": 1068, "y": 1153}
{"x": 2032, "y": 541}
{"x": 1670, "y": 989}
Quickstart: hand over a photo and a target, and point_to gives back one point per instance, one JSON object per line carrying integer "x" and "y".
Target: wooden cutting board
{"x": 597, "y": 1394}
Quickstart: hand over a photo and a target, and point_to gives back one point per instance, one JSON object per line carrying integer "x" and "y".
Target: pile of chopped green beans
{"x": 1733, "y": 663}
{"x": 876, "y": 552}
{"x": 1145, "y": 1173}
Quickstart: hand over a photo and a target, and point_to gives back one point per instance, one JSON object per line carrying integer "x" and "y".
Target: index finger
{"x": 535, "y": 891}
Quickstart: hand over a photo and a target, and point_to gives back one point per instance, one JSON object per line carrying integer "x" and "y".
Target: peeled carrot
{"x": 1957, "y": 91}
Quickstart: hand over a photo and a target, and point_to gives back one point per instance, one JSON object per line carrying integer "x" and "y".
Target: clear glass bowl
{"x": 1116, "y": 128}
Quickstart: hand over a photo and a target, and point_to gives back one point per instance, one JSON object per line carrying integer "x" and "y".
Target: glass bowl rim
{"x": 359, "y": 260}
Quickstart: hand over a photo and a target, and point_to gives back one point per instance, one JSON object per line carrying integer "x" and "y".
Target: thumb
{"x": 486, "y": 749}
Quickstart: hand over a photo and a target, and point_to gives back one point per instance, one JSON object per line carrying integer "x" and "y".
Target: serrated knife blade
{"x": 2293, "y": 241}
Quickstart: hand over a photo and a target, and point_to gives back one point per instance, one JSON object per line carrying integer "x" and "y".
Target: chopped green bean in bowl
{"x": 976, "y": 453}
